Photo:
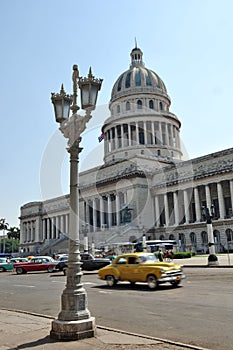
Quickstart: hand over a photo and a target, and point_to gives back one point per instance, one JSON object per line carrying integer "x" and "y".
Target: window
{"x": 148, "y": 80}
{"x": 118, "y": 108}
{"x": 127, "y": 80}
{"x": 121, "y": 261}
{"x": 128, "y": 106}
{"x": 229, "y": 235}
{"x": 139, "y": 104}
{"x": 193, "y": 238}
{"x": 160, "y": 106}
{"x": 204, "y": 237}
{"x": 151, "y": 104}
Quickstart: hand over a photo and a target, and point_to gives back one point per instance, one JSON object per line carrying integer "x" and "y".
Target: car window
{"x": 121, "y": 261}
{"x": 132, "y": 260}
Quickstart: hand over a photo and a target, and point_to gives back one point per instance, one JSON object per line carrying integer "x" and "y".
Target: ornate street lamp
{"x": 74, "y": 320}
{"x": 208, "y": 215}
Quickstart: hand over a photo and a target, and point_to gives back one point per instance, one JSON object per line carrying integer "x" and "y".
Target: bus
{"x": 155, "y": 245}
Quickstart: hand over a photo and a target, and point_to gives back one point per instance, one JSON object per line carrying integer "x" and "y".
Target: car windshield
{"x": 147, "y": 258}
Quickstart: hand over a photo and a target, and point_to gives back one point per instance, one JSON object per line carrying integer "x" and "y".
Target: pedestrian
{"x": 160, "y": 255}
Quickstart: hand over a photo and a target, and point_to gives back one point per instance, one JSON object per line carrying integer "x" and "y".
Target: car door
{"x": 129, "y": 269}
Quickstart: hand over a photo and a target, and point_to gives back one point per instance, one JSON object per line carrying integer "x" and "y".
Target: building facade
{"x": 143, "y": 187}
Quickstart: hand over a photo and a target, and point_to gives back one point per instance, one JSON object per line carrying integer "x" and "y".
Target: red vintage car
{"x": 37, "y": 263}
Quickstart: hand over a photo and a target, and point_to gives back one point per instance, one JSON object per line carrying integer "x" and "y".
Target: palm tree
{"x": 13, "y": 234}
{"x": 3, "y": 227}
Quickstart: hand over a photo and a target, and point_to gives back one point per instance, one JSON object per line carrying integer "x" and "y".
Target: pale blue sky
{"x": 188, "y": 43}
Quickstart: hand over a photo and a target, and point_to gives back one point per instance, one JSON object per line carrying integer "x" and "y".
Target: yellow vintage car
{"x": 141, "y": 267}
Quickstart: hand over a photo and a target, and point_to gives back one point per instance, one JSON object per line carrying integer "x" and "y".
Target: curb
{"x": 187, "y": 346}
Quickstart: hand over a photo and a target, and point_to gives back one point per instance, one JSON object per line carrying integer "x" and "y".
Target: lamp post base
{"x": 213, "y": 260}
{"x": 73, "y": 330}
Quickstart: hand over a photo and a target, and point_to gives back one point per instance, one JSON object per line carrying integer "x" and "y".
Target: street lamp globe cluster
{"x": 74, "y": 320}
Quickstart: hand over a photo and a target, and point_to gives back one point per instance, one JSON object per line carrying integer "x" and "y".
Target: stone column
{"x": 176, "y": 208}
{"x": 62, "y": 224}
{"x": 145, "y": 133}
{"x": 208, "y": 197}
{"x": 101, "y": 212}
{"x": 130, "y": 136}
{"x": 44, "y": 232}
{"x": 153, "y": 132}
{"x": 166, "y": 209}
{"x": 231, "y": 191}
{"x": 186, "y": 206}
{"x": 137, "y": 133}
{"x": 118, "y": 210}
{"x": 109, "y": 212}
{"x": 157, "y": 211}
{"x": 221, "y": 201}
{"x": 94, "y": 215}
{"x": 197, "y": 204}
{"x": 160, "y": 134}
{"x": 87, "y": 214}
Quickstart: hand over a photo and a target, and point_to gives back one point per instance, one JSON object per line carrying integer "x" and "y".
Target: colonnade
{"x": 53, "y": 226}
{"x": 141, "y": 132}
{"x": 183, "y": 206}
{"x": 104, "y": 211}
{"x": 29, "y": 231}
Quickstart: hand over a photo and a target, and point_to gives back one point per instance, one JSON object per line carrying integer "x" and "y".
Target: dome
{"x": 137, "y": 78}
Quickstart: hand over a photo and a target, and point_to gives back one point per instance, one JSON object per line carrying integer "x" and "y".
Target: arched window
{"x": 229, "y": 235}
{"x": 139, "y": 104}
{"x": 193, "y": 238}
{"x": 118, "y": 108}
{"x": 182, "y": 238}
{"x": 151, "y": 104}
{"x": 127, "y": 80}
{"x": 216, "y": 236}
{"x": 160, "y": 106}
{"x": 204, "y": 237}
{"x": 171, "y": 237}
{"x": 161, "y": 237}
{"x": 127, "y": 105}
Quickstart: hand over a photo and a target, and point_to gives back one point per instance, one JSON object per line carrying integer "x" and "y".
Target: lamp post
{"x": 208, "y": 216}
{"x": 74, "y": 320}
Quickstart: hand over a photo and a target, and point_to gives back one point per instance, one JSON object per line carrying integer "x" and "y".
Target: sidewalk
{"x": 19, "y": 330}
{"x": 224, "y": 260}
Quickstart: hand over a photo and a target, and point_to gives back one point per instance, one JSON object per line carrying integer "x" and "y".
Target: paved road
{"x": 200, "y": 312}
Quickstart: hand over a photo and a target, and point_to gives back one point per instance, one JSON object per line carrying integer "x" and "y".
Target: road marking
{"x": 23, "y": 285}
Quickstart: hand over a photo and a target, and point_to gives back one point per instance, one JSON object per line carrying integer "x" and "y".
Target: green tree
{"x": 12, "y": 244}
{"x": 3, "y": 226}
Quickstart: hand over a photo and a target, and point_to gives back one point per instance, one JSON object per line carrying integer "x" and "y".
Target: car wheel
{"x": 110, "y": 280}
{"x": 152, "y": 282}
{"x": 2, "y": 269}
{"x": 19, "y": 270}
{"x": 50, "y": 269}
{"x": 175, "y": 283}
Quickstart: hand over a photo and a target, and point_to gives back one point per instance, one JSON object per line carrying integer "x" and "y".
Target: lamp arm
{"x": 74, "y": 127}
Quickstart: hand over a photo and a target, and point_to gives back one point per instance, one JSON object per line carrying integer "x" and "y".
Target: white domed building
{"x": 144, "y": 187}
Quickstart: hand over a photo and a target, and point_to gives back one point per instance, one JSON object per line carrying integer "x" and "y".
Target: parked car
{"x": 5, "y": 265}
{"x": 89, "y": 263}
{"x": 37, "y": 263}
{"x": 15, "y": 260}
{"x": 141, "y": 267}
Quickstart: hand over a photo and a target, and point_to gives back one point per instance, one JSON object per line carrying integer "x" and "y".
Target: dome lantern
{"x": 136, "y": 57}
